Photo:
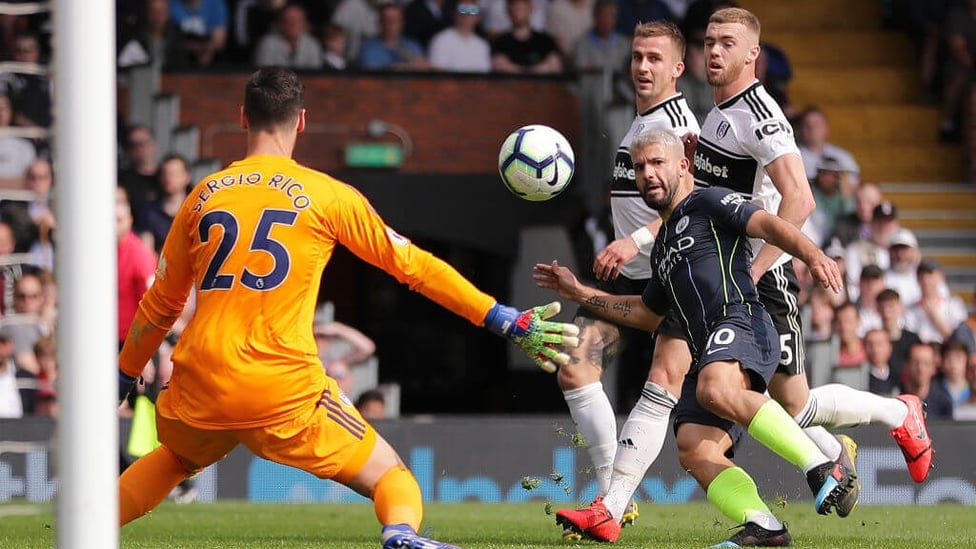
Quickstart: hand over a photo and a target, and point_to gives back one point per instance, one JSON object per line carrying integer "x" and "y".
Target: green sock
{"x": 736, "y": 496}
{"x": 775, "y": 429}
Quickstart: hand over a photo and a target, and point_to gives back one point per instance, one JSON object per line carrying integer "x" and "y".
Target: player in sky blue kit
{"x": 701, "y": 273}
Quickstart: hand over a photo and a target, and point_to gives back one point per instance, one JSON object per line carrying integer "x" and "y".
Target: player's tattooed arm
{"x": 628, "y": 310}
{"x": 598, "y": 304}
{"x": 601, "y": 304}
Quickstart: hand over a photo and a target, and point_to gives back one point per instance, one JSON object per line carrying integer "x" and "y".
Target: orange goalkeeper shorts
{"x": 333, "y": 442}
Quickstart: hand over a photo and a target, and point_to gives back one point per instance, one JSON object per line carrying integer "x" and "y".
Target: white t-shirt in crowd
{"x": 451, "y": 51}
{"x": 10, "y": 403}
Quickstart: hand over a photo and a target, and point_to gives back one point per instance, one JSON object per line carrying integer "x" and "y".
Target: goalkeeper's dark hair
{"x": 273, "y": 96}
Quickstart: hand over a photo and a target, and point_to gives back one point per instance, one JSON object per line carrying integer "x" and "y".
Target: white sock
{"x": 836, "y": 405}
{"x": 764, "y": 519}
{"x": 808, "y": 420}
{"x": 827, "y": 443}
{"x": 641, "y": 439}
{"x": 593, "y": 415}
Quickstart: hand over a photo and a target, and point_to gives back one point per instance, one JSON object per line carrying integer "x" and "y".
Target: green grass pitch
{"x": 233, "y": 525}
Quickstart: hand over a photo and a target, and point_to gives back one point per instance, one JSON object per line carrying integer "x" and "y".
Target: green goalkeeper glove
{"x": 535, "y": 335}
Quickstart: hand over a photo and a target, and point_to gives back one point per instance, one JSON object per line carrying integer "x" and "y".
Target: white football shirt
{"x": 738, "y": 140}
{"x": 627, "y": 207}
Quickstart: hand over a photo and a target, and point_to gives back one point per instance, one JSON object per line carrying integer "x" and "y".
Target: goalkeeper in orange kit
{"x": 252, "y": 240}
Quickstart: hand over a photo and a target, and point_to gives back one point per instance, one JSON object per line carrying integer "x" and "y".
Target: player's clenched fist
{"x": 537, "y": 336}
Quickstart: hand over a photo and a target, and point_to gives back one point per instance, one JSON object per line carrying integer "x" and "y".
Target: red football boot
{"x": 594, "y": 522}
{"x": 913, "y": 438}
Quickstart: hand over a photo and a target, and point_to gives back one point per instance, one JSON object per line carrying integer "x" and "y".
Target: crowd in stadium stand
{"x": 944, "y": 32}
{"x": 896, "y": 328}
{"x": 28, "y": 293}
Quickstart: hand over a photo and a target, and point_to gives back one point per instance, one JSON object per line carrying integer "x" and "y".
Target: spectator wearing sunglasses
{"x": 24, "y": 327}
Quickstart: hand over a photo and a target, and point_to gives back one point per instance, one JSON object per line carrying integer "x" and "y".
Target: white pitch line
{"x": 21, "y": 510}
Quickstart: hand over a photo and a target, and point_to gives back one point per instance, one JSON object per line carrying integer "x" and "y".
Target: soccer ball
{"x": 536, "y": 162}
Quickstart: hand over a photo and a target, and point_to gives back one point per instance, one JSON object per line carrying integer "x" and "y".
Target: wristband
{"x": 501, "y": 318}
{"x": 642, "y": 237}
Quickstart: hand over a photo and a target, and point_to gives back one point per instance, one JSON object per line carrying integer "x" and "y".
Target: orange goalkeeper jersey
{"x": 253, "y": 240}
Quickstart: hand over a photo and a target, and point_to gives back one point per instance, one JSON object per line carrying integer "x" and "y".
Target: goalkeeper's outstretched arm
{"x": 437, "y": 280}
{"x": 531, "y": 329}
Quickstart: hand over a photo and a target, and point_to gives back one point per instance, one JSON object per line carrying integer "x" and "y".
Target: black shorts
{"x": 745, "y": 336}
{"x": 777, "y": 292}
{"x": 672, "y": 327}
